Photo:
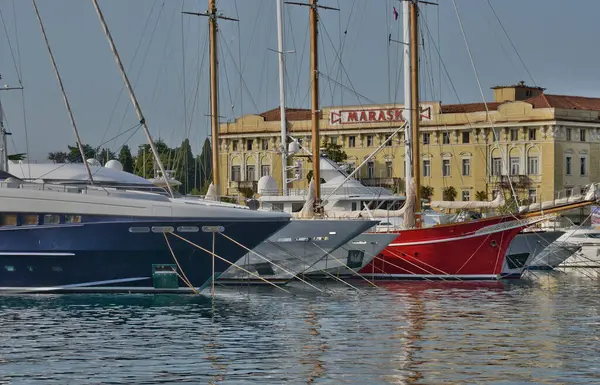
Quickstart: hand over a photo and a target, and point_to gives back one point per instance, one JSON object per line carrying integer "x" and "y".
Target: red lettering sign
{"x": 374, "y": 115}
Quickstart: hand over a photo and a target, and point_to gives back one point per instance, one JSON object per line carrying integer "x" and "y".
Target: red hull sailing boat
{"x": 463, "y": 250}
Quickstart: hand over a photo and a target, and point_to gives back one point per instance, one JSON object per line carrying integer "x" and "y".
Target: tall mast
{"x": 214, "y": 85}
{"x": 64, "y": 95}
{"x": 283, "y": 119}
{"x": 409, "y": 217}
{"x": 214, "y": 91}
{"x": 314, "y": 74}
{"x": 136, "y": 105}
{"x": 416, "y": 109}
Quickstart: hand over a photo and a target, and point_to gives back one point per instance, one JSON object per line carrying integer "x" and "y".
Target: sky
{"x": 548, "y": 43}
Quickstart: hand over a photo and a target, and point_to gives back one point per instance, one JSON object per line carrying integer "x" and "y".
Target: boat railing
{"x": 80, "y": 188}
{"x": 343, "y": 192}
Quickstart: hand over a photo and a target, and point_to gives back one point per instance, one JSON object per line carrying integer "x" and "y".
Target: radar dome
{"x": 114, "y": 164}
{"x": 267, "y": 185}
{"x": 93, "y": 162}
{"x": 293, "y": 147}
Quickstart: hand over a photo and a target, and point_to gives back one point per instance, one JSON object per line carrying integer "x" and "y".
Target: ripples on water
{"x": 542, "y": 330}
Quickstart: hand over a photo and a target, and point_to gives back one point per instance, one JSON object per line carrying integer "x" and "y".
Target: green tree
{"x": 427, "y": 192}
{"x": 105, "y": 155}
{"x": 144, "y": 161}
{"x": 333, "y": 151}
{"x": 203, "y": 166}
{"x": 74, "y": 156}
{"x": 481, "y": 196}
{"x": 449, "y": 193}
{"x": 58, "y": 157}
{"x": 17, "y": 157}
{"x": 126, "y": 159}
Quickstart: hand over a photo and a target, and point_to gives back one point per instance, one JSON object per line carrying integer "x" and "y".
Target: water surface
{"x": 541, "y": 330}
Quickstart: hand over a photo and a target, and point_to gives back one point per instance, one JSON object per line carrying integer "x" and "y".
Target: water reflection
{"x": 543, "y": 329}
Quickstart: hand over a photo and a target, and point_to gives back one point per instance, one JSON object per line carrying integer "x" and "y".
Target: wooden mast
{"x": 416, "y": 110}
{"x": 314, "y": 73}
{"x": 214, "y": 92}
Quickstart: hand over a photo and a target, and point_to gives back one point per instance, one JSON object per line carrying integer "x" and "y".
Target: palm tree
{"x": 449, "y": 193}
{"x": 481, "y": 196}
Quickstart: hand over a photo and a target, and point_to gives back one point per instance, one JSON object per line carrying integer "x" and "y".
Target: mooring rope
{"x": 271, "y": 262}
{"x": 230, "y": 263}
{"x": 184, "y": 278}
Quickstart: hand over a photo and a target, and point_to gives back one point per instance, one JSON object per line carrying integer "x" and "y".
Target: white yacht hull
{"x": 347, "y": 260}
{"x": 294, "y": 249}
{"x": 524, "y": 248}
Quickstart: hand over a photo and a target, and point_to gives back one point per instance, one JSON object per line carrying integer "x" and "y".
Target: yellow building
{"x": 544, "y": 143}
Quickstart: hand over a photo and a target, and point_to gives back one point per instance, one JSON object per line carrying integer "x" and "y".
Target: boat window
{"x": 57, "y": 269}
{"x": 296, "y": 207}
{"x": 302, "y": 239}
{"x": 162, "y": 229}
{"x": 139, "y": 229}
{"x": 593, "y": 235}
{"x": 9, "y": 268}
{"x": 29, "y": 219}
{"x": 30, "y": 268}
{"x": 72, "y": 218}
{"x": 188, "y": 229}
{"x": 277, "y": 207}
{"x": 8, "y": 220}
{"x": 51, "y": 219}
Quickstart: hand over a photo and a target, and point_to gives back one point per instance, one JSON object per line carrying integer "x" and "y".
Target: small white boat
{"x": 526, "y": 246}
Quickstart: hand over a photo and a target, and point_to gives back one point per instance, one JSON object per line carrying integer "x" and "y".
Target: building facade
{"x": 525, "y": 139}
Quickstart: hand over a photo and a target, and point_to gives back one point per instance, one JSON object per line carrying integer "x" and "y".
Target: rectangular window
{"x": 8, "y": 219}
{"x": 249, "y": 144}
{"x": 466, "y": 167}
{"x": 569, "y": 134}
{"x": 388, "y": 170}
{"x": 568, "y": 164}
{"x": 446, "y": 167}
{"x": 251, "y": 173}
{"x": 426, "y": 138}
{"x": 514, "y": 165}
{"x": 445, "y": 138}
{"x": 234, "y": 145}
{"x": 514, "y": 134}
{"x": 532, "y": 133}
{"x": 532, "y": 196}
{"x": 532, "y": 165}
{"x": 265, "y": 144}
{"x": 265, "y": 170}
{"x": 370, "y": 170}
{"x": 466, "y": 195}
{"x": 389, "y": 142}
{"x": 72, "y": 218}
{"x": 582, "y": 166}
{"x": 236, "y": 173}
{"x": 334, "y": 140}
{"x": 426, "y": 167}
{"x": 568, "y": 192}
{"x": 352, "y": 141}
{"x": 496, "y": 166}
{"x": 466, "y": 137}
{"x": 369, "y": 140}
{"x": 29, "y": 219}
{"x": 51, "y": 219}
{"x": 582, "y": 134}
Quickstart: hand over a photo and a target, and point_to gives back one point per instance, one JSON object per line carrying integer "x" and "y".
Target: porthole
{"x": 57, "y": 269}
{"x": 162, "y": 229}
{"x": 9, "y": 268}
{"x": 302, "y": 239}
{"x": 139, "y": 229}
{"x": 188, "y": 229}
{"x": 30, "y": 268}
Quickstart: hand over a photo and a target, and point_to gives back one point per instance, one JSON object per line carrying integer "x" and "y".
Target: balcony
{"x": 507, "y": 180}
{"x": 383, "y": 182}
